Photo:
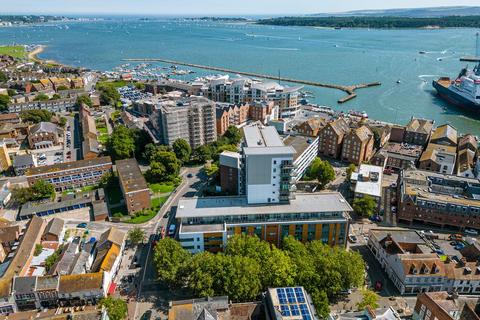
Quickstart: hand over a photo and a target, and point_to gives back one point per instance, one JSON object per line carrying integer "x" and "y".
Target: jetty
{"x": 349, "y": 90}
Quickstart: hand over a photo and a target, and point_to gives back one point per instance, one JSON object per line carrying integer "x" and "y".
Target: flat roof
{"x": 130, "y": 175}
{"x": 365, "y": 184}
{"x": 69, "y": 166}
{"x": 299, "y": 144}
{"x": 220, "y": 206}
{"x": 398, "y": 235}
{"x": 258, "y": 137}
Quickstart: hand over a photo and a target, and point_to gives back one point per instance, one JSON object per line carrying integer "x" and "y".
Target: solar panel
{"x": 306, "y": 317}
{"x": 304, "y": 310}
{"x": 285, "y": 311}
{"x": 294, "y": 310}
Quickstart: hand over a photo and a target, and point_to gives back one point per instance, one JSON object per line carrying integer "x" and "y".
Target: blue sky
{"x": 213, "y": 7}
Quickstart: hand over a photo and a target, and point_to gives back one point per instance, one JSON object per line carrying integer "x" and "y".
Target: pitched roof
{"x": 340, "y": 126}
{"x": 423, "y": 264}
{"x": 445, "y": 131}
{"x": 44, "y": 127}
{"x": 465, "y": 160}
{"x": 130, "y": 176}
{"x": 24, "y": 284}
{"x": 468, "y": 141}
{"x": 69, "y": 166}
{"x": 47, "y": 283}
{"x": 420, "y": 125}
{"x": 54, "y": 226}
{"x": 110, "y": 257}
{"x": 113, "y": 235}
{"x": 9, "y": 233}
{"x": 80, "y": 282}
{"x": 363, "y": 133}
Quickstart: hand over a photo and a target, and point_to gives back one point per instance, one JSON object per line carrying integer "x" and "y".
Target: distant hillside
{"x": 410, "y": 12}
{"x": 381, "y": 22}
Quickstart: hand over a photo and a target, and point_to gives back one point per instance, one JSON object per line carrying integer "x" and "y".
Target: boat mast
{"x": 477, "y": 54}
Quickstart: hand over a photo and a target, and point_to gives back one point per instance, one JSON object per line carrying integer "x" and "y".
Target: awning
{"x": 111, "y": 289}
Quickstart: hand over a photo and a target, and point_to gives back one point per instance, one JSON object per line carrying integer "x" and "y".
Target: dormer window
{"x": 413, "y": 269}
{"x": 424, "y": 269}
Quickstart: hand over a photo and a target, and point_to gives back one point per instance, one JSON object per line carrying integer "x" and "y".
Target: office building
{"x": 71, "y": 175}
{"x": 206, "y": 223}
{"x": 192, "y": 119}
{"x": 438, "y": 199}
{"x": 134, "y": 187}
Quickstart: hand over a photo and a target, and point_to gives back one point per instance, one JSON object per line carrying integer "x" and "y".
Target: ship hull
{"x": 454, "y": 98}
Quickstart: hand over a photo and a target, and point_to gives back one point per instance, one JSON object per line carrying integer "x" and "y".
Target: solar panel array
{"x": 293, "y": 303}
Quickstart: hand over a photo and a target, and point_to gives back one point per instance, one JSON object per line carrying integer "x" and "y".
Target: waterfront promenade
{"x": 350, "y": 90}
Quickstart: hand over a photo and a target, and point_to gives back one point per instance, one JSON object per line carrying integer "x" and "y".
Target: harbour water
{"x": 345, "y": 57}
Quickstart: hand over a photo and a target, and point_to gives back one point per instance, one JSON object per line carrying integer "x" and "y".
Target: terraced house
{"x": 71, "y": 175}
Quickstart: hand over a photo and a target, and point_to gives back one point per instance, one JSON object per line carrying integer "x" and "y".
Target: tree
{"x": 141, "y": 138}
{"x": 325, "y": 173}
{"x": 121, "y": 143}
{"x": 56, "y": 96}
{"x": 351, "y": 168}
{"x": 12, "y": 92}
{"x": 41, "y": 97}
{"x": 62, "y": 88}
{"x": 211, "y": 169}
{"x": 62, "y": 122}
{"x": 84, "y": 99}
{"x": 369, "y": 299}
{"x": 140, "y": 85}
{"x": 164, "y": 166}
{"x": 202, "y": 153}
{"x": 38, "y": 250}
{"x": 320, "y": 301}
{"x": 117, "y": 308}
{"x": 36, "y": 115}
{"x": 136, "y": 235}
{"x": 170, "y": 259}
{"x": 4, "y": 101}
{"x": 3, "y": 77}
{"x": 233, "y": 135}
{"x": 364, "y": 206}
{"x": 182, "y": 150}
{"x": 108, "y": 95}
{"x": 41, "y": 190}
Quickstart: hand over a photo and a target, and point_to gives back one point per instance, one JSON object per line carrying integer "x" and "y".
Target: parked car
{"x": 393, "y": 185}
{"x": 471, "y": 231}
{"x": 456, "y": 237}
{"x": 378, "y": 285}
{"x": 394, "y": 209}
{"x": 352, "y": 238}
{"x": 82, "y": 225}
{"x": 459, "y": 246}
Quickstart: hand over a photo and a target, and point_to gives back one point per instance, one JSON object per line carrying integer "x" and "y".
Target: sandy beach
{"x": 33, "y": 55}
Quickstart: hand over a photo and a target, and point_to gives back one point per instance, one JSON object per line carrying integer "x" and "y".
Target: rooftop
{"x": 258, "y": 137}
{"x": 80, "y": 282}
{"x": 368, "y": 180}
{"x": 290, "y": 303}
{"x": 420, "y": 125}
{"x": 130, "y": 175}
{"x": 69, "y": 166}
{"x": 221, "y": 206}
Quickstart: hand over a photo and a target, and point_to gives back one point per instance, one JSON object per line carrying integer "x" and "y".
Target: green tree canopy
{"x": 170, "y": 260}
{"x": 83, "y": 99}
{"x": 36, "y": 115}
{"x": 233, "y": 135}
{"x": 41, "y": 97}
{"x": 4, "y": 101}
{"x": 164, "y": 166}
{"x": 365, "y": 206}
{"x": 121, "y": 143}
{"x": 182, "y": 150}
{"x": 369, "y": 299}
{"x": 3, "y": 77}
{"x": 12, "y": 92}
{"x": 117, "y": 308}
{"x": 109, "y": 95}
{"x": 38, "y": 191}
{"x": 203, "y": 153}
{"x": 136, "y": 235}
{"x": 324, "y": 173}
{"x": 351, "y": 169}
{"x": 210, "y": 169}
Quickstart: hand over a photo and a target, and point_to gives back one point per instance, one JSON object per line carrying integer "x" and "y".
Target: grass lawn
{"x": 157, "y": 203}
{"x": 14, "y": 51}
{"x": 161, "y": 187}
{"x": 115, "y": 84}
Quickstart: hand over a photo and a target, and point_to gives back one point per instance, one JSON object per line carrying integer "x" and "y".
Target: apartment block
{"x": 206, "y": 223}
{"x": 230, "y": 115}
{"x": 192, "y": 119}
{"x": 71, "y": 175}
{"x": 231, "y": 176}
{"x": 331, "y": 137}
{"x": 441, "y": 152}
{"x": 438, "y": 199}
{"x": 466, "y": 155}
{"x": 268, "y": 166}
{"x": 134, "y": 187}
{"x": 418, "y": 131}
{"x": 358, "y": 145}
